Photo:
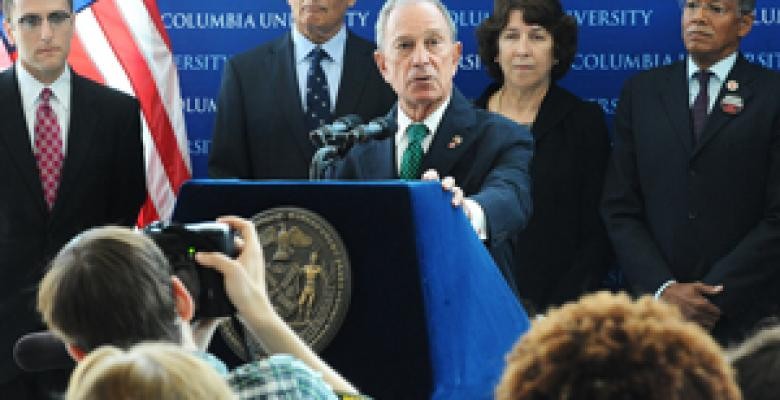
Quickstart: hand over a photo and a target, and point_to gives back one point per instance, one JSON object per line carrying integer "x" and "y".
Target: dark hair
{"x": 608, "y": 347}
{"x": 8, "y": 4}
{"x": 546, "y": 13}
{"x": 757, "y": 362}
{"x": 109, "y": 285}
{"x": 747, "y": 6}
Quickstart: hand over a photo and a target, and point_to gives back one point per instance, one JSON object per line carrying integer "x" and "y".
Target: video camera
{"x": 179, "y": 243}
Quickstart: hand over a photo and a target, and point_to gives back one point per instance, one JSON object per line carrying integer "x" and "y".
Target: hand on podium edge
{"x": 472, "y": 209}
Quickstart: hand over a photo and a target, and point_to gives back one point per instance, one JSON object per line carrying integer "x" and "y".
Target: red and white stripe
{"x": 124, "y": 45}
{"x": 5, "y": 58}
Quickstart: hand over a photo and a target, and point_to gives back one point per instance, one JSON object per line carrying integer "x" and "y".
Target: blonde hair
{"x": 607, "y": 347}
{"x": 147, "y": 371}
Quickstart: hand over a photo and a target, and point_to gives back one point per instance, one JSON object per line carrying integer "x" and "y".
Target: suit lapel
{"x": 555, "y": 107}
{"x": 718, "y": 118}
{"x": 674, "y": 96}
{"x": 354, "y": 76}
{"x": 15, "y": 136}
{"x": 456, "y": 121}
{"x": 289, "y": 93}
{"x": 81, "y": 137}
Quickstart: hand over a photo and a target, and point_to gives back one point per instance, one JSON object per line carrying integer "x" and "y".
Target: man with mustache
{"x": 70, "y": 158}
{"x": 441, "y": 132}
{"x": 692, "y": 195}
{"x": 274, "y": 95}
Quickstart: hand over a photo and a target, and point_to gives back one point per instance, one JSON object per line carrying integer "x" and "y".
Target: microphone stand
{"x": 323, "y": 160}
{"x": 335, "y": 140}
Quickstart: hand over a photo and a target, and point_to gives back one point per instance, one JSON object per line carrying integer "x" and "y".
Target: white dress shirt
{"x": 30, "y": 89}
{"x": 470, "y": 207}
{"x": 720, "y": 71}
{"x": 335, "y": 47}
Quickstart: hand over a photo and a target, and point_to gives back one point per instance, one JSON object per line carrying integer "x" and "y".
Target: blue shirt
{"x": 720, "y": 70}
{"x": 335, "y": 47}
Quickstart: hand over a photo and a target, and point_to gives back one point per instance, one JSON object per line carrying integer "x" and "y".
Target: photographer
{"x": 114, "y": 286}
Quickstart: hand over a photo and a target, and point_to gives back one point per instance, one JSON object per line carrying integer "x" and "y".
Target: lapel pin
{"x": 731, "y": 104}
{"x": 732, "y": 85}
{"x": 455, "y": 142}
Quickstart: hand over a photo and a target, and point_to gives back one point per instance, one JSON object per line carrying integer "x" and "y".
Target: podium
{"x": 430, "y": 316}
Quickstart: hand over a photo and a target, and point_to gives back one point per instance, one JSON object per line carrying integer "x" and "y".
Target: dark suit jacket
{"x": 707, "y": 212}
{"x": 564, "y": 251}
{"x": 102, "y": 182}
{"x": 490, "y": 165}
{"x": 260, "y": 131}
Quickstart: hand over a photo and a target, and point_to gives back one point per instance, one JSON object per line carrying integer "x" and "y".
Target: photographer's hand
{"x": 245, "y": 286}
{"x": 245, "y": 275}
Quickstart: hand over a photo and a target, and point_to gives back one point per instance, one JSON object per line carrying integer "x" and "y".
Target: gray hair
{"x": 747, "y": 6}
{"x": 390, "y": 5}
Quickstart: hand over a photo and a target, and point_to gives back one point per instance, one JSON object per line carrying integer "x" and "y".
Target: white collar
{"x": 334, "y": 47}
{"x": 30, "y": 88}
{"x": 721, "y": 68}
{"x": 432, "y": 121}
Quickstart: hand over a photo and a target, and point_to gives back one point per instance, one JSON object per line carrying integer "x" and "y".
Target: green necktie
{"x": 412, "y": 158}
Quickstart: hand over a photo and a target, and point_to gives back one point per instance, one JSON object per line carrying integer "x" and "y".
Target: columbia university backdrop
{"x": 618, "y": 38}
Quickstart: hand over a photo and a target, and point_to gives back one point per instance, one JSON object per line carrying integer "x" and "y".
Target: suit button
{"x": 691, "y": 215}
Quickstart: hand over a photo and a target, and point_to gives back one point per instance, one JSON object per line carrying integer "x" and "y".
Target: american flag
{"x": 123, "y": 44}
{"x": 5, "y": 54}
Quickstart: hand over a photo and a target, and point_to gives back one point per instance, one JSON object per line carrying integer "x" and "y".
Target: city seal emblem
{"x": 308, "y": 276}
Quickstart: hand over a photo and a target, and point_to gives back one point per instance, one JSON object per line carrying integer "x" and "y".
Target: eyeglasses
{"x": 31, "y": 22}
{"x": 715, "y": 7}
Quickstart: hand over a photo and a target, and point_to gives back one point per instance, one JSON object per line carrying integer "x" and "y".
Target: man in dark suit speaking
{"x": 71, "y": 158}
{"x": 692, "y": 198}
{"x": 438, "y": 129}
{"x": 273, "y": 95}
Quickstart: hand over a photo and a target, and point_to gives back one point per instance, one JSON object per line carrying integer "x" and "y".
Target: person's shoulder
{"x": 7, "y": 79}
{"x": 359, "y": 42}
{"x": 102, "y": 94}
{"x": 500, "y": 127}
{"x": 278, "y": 376}
{"x": 761, "y": 73}
{"x": 654, "y": 75}
{"x": 263, "y": 52}
{"x": 577, "y": 105}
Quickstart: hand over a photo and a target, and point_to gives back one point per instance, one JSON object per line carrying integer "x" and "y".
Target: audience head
{"x": 112, "y": 285}
{"x": 319, "y": 20}
{"x": 608, "y": 347}
{"x": 146, "y": 371}
{"x": 41, "y": 30}
{"x": 418, "y": 53}
{"x": 757, "y": 363}
{"x": 527, "y": 42}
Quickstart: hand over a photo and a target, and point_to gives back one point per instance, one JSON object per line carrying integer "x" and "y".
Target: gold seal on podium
{"x": 308, "y": 277}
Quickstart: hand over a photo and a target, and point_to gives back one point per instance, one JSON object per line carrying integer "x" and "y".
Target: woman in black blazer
{"x": 527, "y": 45}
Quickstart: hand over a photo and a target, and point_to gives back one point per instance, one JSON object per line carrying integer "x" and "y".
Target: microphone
{"x": 41, "y": 351}
{"x": 328, "y": 134}
{"x": 376, "y": 129}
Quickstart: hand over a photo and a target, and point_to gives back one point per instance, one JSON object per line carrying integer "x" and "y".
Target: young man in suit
{"x": 274, "y": 95}
{"x": 692, "y": 196}
{"x": 440, "y": 131}
{"x": 71, "y": 158}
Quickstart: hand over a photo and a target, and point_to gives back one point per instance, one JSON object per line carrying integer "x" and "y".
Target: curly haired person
{"x": 609, "y": 347}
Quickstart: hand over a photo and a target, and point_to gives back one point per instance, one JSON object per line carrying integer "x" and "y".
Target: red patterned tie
{"x": 48, "y": 147}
